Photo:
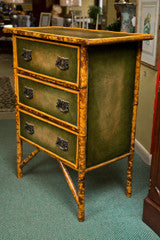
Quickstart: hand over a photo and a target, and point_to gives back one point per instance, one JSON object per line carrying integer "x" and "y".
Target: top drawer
{"x": 59, "y": 61}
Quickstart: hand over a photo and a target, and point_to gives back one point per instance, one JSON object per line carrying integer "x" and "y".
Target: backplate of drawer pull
{"x": 27, "y": 54}
{"x": 62, "y": 144}
{"x": 29, "y": 128}
{"x": 62, "y": 63}
{"x": 63, "y": 106}
{"x": 28, "y": 92}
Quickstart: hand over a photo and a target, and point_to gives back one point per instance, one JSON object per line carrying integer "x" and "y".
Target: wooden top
{"x": 78, "y": 35}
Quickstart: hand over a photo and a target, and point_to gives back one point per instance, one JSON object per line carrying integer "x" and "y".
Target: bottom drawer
{"x": 52, "y": 138}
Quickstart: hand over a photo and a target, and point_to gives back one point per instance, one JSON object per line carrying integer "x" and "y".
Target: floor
{"x": 6, "y": 69}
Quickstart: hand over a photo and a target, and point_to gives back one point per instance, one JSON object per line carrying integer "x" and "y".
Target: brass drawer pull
{"x": 29, "y": 128}
{"x": 28, "y": 92}
{"x": 63, "y": 106}
{"x": 27, "y": 54}
{"x": 62, "y": 63}
{"x": 62, "y": 144}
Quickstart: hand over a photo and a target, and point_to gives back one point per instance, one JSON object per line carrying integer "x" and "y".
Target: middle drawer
{"x": 50, "y": 99}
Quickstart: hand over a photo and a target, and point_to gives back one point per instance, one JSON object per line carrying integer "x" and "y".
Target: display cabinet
{"x": 76, "y": 98}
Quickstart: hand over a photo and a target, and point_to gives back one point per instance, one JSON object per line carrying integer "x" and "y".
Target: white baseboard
{"x": 143, "y": 153}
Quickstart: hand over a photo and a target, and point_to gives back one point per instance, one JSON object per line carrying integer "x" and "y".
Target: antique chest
{"x": 76, "y": 98}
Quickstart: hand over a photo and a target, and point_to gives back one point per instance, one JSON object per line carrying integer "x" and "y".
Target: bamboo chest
{"x": 76, "y": 98}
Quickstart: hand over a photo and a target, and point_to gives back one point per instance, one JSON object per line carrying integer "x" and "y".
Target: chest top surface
{"x": 77, "y": 35}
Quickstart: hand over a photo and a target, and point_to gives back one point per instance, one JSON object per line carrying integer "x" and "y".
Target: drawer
{"x": 52, "y": 138}
{"x": 48, "y": 98}
{"x": 59, "y": 61}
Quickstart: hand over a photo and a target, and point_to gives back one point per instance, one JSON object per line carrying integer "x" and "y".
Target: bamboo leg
{"x": 81, "y": 178}
{"x": 19, "y": 158}
{"x": 81, "y": 194}
{"x": 135, "y": 105}
{"x": 19, "y": 147}
{"x": 19, "y": 141}
{"x": 82, "y": 131}
{"x": 69, "y": 181}
{"x": 129, "y": 176}
{"x": 32, "y": 155}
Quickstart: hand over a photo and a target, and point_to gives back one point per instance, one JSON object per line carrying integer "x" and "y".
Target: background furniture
{"x": 151, "y": 211}
{"x": 39, "y": 6}
{"x": 83, "y": 113}
{"x": 128, "y": 13}
{"x": 68, "y": 17}
{"x": 5, "y": 42}
{"x": 45, "y": 19}
{"x": 57, "y": 19}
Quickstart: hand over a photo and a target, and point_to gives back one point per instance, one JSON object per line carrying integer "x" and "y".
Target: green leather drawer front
{"x": 46, "y": 136}
{"x": 44, "y": 56}
{"x": 48, "y": 99}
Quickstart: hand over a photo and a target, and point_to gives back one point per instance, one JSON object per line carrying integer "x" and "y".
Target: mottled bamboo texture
{"x": 19, "y": 141}
{"x": 33, "y": 154}
{"x": 69, "y": 181}
{"x": 48, "y": 79}
{"x": 78, "y": 40}
{"x": 135, "y": 105}
{"x": 108, "y": 162}
{"x": 19, "y": 146}
{"x": 82, "y": 131}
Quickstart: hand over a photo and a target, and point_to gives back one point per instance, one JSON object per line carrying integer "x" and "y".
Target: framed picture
{"x": 148, "y": 21}
{"x": 45, "y": 19}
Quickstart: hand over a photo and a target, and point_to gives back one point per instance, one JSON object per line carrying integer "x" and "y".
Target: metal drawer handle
{"x": 29, "y": 128}
{"x": 62, "y": 63}
{"x": 62, "y": 144}
{"x": 28, "y": 92}
{"x": 27, "y": 54}
{"x": 63, "y": 106}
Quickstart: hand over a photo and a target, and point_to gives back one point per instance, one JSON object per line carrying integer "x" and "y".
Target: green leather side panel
{"x": 45, "y": 99}
{"x": 45, "y": 135}
{"x": 44, "y": 58}
{"x": 110, "y": 101}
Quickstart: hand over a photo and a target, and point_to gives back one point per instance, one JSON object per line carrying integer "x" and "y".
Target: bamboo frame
{"x": 82, "y": 92}
{"x": 69, "y": 181}
{"x": 108, "y": 162}
{"x": 50, "y": 84}
{"x": 82, "y": 131}
{"x": 47, "y": 121}
{"x": 19, "y": 146}
{"x": 49, "y": 42}
{"x": 48, "y": 117}
{"x": 32, "y": 155}
{"x": 135, "y": 105}
{"x": 50, "y": 77}
{"x": 77, "y": 40}
{"x": 19, "y": 141}
{"x": 47, "y": 79}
